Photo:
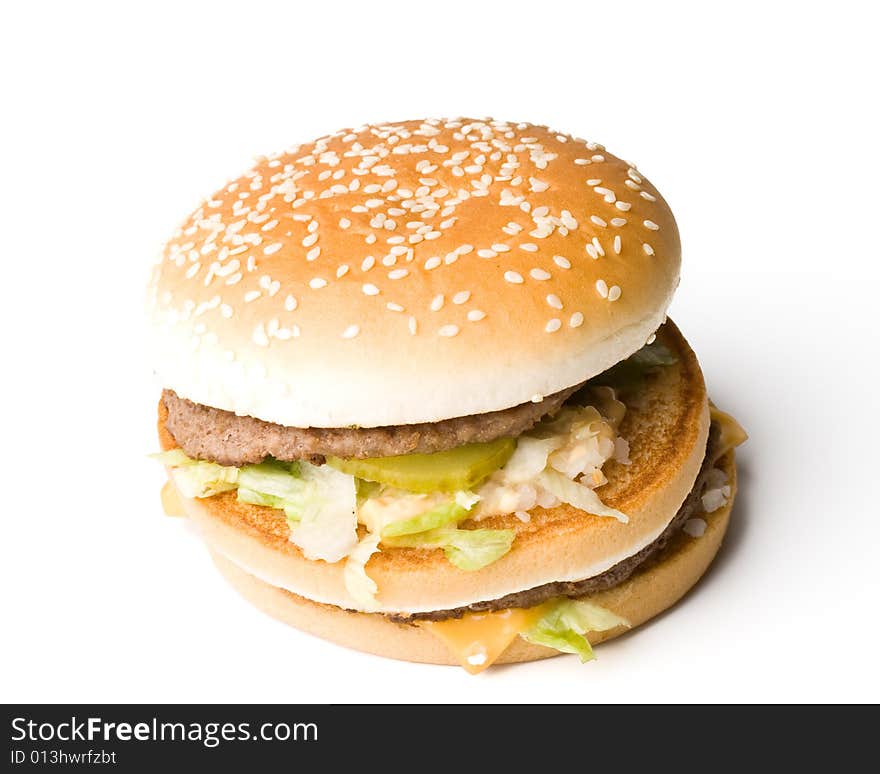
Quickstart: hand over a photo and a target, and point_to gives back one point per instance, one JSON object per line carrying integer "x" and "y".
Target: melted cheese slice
{"x": 171, "y": 502}
{"x": 478, "y": 639}
{"x": 732, "y": 433}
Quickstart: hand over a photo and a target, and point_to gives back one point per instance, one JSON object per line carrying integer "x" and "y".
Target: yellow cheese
{"x": 478, "y": 639}
{"x": 732, "y": 434}
{"x": 171, "y": 503}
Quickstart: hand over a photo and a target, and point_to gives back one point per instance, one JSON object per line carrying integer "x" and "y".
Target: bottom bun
{"x": 649, "y": 591}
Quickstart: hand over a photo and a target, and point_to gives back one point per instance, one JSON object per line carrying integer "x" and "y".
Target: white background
{"x": 756, "y": 121}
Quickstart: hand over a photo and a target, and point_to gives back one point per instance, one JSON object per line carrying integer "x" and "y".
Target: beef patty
{"x": 221, "y": 436}
{"x": 611, "y": 577}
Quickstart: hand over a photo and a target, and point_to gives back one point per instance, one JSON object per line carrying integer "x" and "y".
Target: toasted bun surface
{"x": 412, "y": 272}
{"x": 649, "y": 591}
{"x": 667, "y": 432}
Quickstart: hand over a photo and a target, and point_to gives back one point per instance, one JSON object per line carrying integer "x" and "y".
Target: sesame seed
{"x": 413, "y": 326}
{"x": 623, "y": 206}
{"x": 632, "y": 185}
{"x": 554, "y": 301}
{"x": 316, "y": 283}
{"x": 613, "y": 293}
{"x": 500, "y": 247}
{"x": 290, "y": 303}
{"x": 437, "y": 303}
{"x": 648, "y": 249}
{"x": 344, "y": 223}
{"x": 475, "y": 315}
{"x": 616, "y": 244}
{"x": 433, "y": 262}
{"x": 577, "y": 319}
{"x": 251, "y": 295}
{"x": 448, "y": 331}
{"x": 646, "y": 195}
{"x": 370, "y": 289}
{"x": 350, "y": 332}
{"x": 310, "y": 240}
{"x": 562, "y": 261}
{"x": 226, "y": 310}
{"x": 529, "y": 247}
{"x": 539, "y": 274}
{"x": 464, "y": 249}
{"x": 598, "y": 221}
{"x": 259, "y": 336}
{"x": 651, "y": 225}
{"x": 513, "y": 277}
{"x": 368, "y": 263}
{"x": 392, "y": 307}
{"x": 618, "y": 222}
{"x": 461, "y": 297}
{"x": 633, "y": 176}
{"x": 592, "y": 251}
{"x": 651, "y": 339}
{"x": 272, "y": 249}
{"x": 602, "y": 288}
{"x": 537, "y": 186}
{"x": 594, "y": 181}
{"x": 553, "y": 325}
{"x": 397, "y": 274}
{"x": 486, "y": 253}
{"x": 582, "y": 162}
{"x": 342, "y": 270}
{"x": 313, "y": 254}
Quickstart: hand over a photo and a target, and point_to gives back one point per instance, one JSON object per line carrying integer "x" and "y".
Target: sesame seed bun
{"x": 649, "y": 591}
{"x": 667, "y": 431}
{"x": 412, "y": 272}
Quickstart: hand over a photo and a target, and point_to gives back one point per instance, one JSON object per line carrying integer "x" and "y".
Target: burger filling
{"x": 349, "y": 492}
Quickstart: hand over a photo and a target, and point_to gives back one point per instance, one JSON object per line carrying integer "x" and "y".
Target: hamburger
{"x": 420, "y": 396}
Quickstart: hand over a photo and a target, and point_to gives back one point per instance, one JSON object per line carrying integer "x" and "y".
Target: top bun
{"x": 412, "y": 272}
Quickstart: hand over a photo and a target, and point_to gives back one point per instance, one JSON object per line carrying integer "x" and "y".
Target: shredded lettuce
{"x": 204, "y": 479}
{"x": 277, "y": 485}
{"x": 327, "y": 511}
{"x": 450, "y": 512}
{"x": 173, "y": 458}
{"x": 197, "y": 478}
{"x": 467, "y": 549}
{"x": 359, "y": 585}
{"x": 578, "y": 495}
{"x": 530, "y": 458}
{"x": 564, "y": 625}
{"x": 629, "y": 375}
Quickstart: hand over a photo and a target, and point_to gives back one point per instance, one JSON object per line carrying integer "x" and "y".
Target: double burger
{"x": 420, "y": 396}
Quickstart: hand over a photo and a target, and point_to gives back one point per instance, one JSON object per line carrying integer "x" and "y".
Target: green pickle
{"x": 447, "y": 471}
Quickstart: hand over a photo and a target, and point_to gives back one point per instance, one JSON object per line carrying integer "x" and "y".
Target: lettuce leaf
{"x": 578, "y": 495}
{"x": 197, "y": 478}
{"x": 327, "y": 513}
{"x": 442, "y": 515}
{"x": 530, "y": 458}
{"x": 204, "y": 479}
{"x": 359, "y": 585}
{"x": 629, "y": 375}
{"x": 467, "y": 549}
{"x": 564, "y": 626}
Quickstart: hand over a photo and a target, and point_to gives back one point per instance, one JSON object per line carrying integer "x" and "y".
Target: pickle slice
{"x": 447, "y": 471}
